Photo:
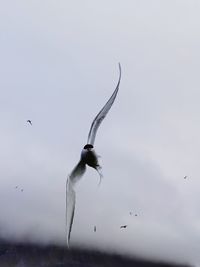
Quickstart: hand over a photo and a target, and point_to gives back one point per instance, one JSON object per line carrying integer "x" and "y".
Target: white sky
{"x": 58, "y": 68}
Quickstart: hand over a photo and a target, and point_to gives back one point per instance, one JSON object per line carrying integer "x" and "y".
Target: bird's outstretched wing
{"x": 103, "y": 112}
{"x": 75, "y": 175}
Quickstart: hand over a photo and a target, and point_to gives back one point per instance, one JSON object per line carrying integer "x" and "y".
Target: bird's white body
{"x": 89, "y": 157}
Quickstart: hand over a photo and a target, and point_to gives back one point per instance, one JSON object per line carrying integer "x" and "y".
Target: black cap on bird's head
{"x": 88, "y": 146}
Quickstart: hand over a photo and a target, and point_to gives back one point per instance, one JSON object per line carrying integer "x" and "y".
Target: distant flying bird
{"x": 123, "y": 226}
{"x": 131, "y": 213}
{"x": 95, "y": 228}
{"x": 185, "y": 177}
{"x": 88, "y": 157}
{"x": 16, "y": 186}
{"x": 29, "y": 121}
{"x": 22, "y": 190}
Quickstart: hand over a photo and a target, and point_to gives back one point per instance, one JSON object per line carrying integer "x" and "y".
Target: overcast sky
{"x": 59, "y": 65}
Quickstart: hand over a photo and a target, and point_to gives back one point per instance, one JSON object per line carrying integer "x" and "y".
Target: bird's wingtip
{"x": 68, "y": 247}
{"x": 120, "y": 70}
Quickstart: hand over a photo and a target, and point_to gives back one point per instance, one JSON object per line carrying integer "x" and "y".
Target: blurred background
{"x": 59, "y": 65}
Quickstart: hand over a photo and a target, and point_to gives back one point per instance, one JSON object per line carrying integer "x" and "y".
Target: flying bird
{"x": 95, "y": 228}
{"x": 88, "y": 157}
{"x": 131, "y": 213}
{"x": 29, "y": 121}
{"x": 123, "y": 226}
{"x": 185, "y": 177}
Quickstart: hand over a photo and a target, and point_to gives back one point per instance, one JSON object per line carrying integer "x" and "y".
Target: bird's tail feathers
{"x": 98, "y": 168}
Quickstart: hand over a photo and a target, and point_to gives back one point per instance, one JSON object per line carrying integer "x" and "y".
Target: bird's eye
{"x": 88, "y": 146}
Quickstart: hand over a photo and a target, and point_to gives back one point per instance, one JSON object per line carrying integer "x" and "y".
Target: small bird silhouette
{"x": 185, "y": 177}
{"x": 123, "y": 226}
{"x": 95, "y": 228}
{"x": 22, "y": 190}
{"x": 131, "y": 213}
{"x": 30, "y": 122}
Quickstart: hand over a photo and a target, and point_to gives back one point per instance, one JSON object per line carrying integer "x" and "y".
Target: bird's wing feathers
{"x": 74, "y": 177}
{"x": 77, "y": 172}
{"x": 80, "y": 168}
{"x": 70, "y": 207}
{"x": 102, "y": 114}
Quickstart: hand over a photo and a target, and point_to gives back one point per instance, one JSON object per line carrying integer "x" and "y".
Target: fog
{"x": 59, "y": 65}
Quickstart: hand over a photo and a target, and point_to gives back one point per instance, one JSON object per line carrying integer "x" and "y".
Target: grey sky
{"x": 58, "y": 67}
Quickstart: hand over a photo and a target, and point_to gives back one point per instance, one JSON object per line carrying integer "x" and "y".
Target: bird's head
{"x": 88, "y": 147}
{"x": 87, "y": 151}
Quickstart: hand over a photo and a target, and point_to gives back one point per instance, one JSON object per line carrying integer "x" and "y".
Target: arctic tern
{"x": 88, "y": 157}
